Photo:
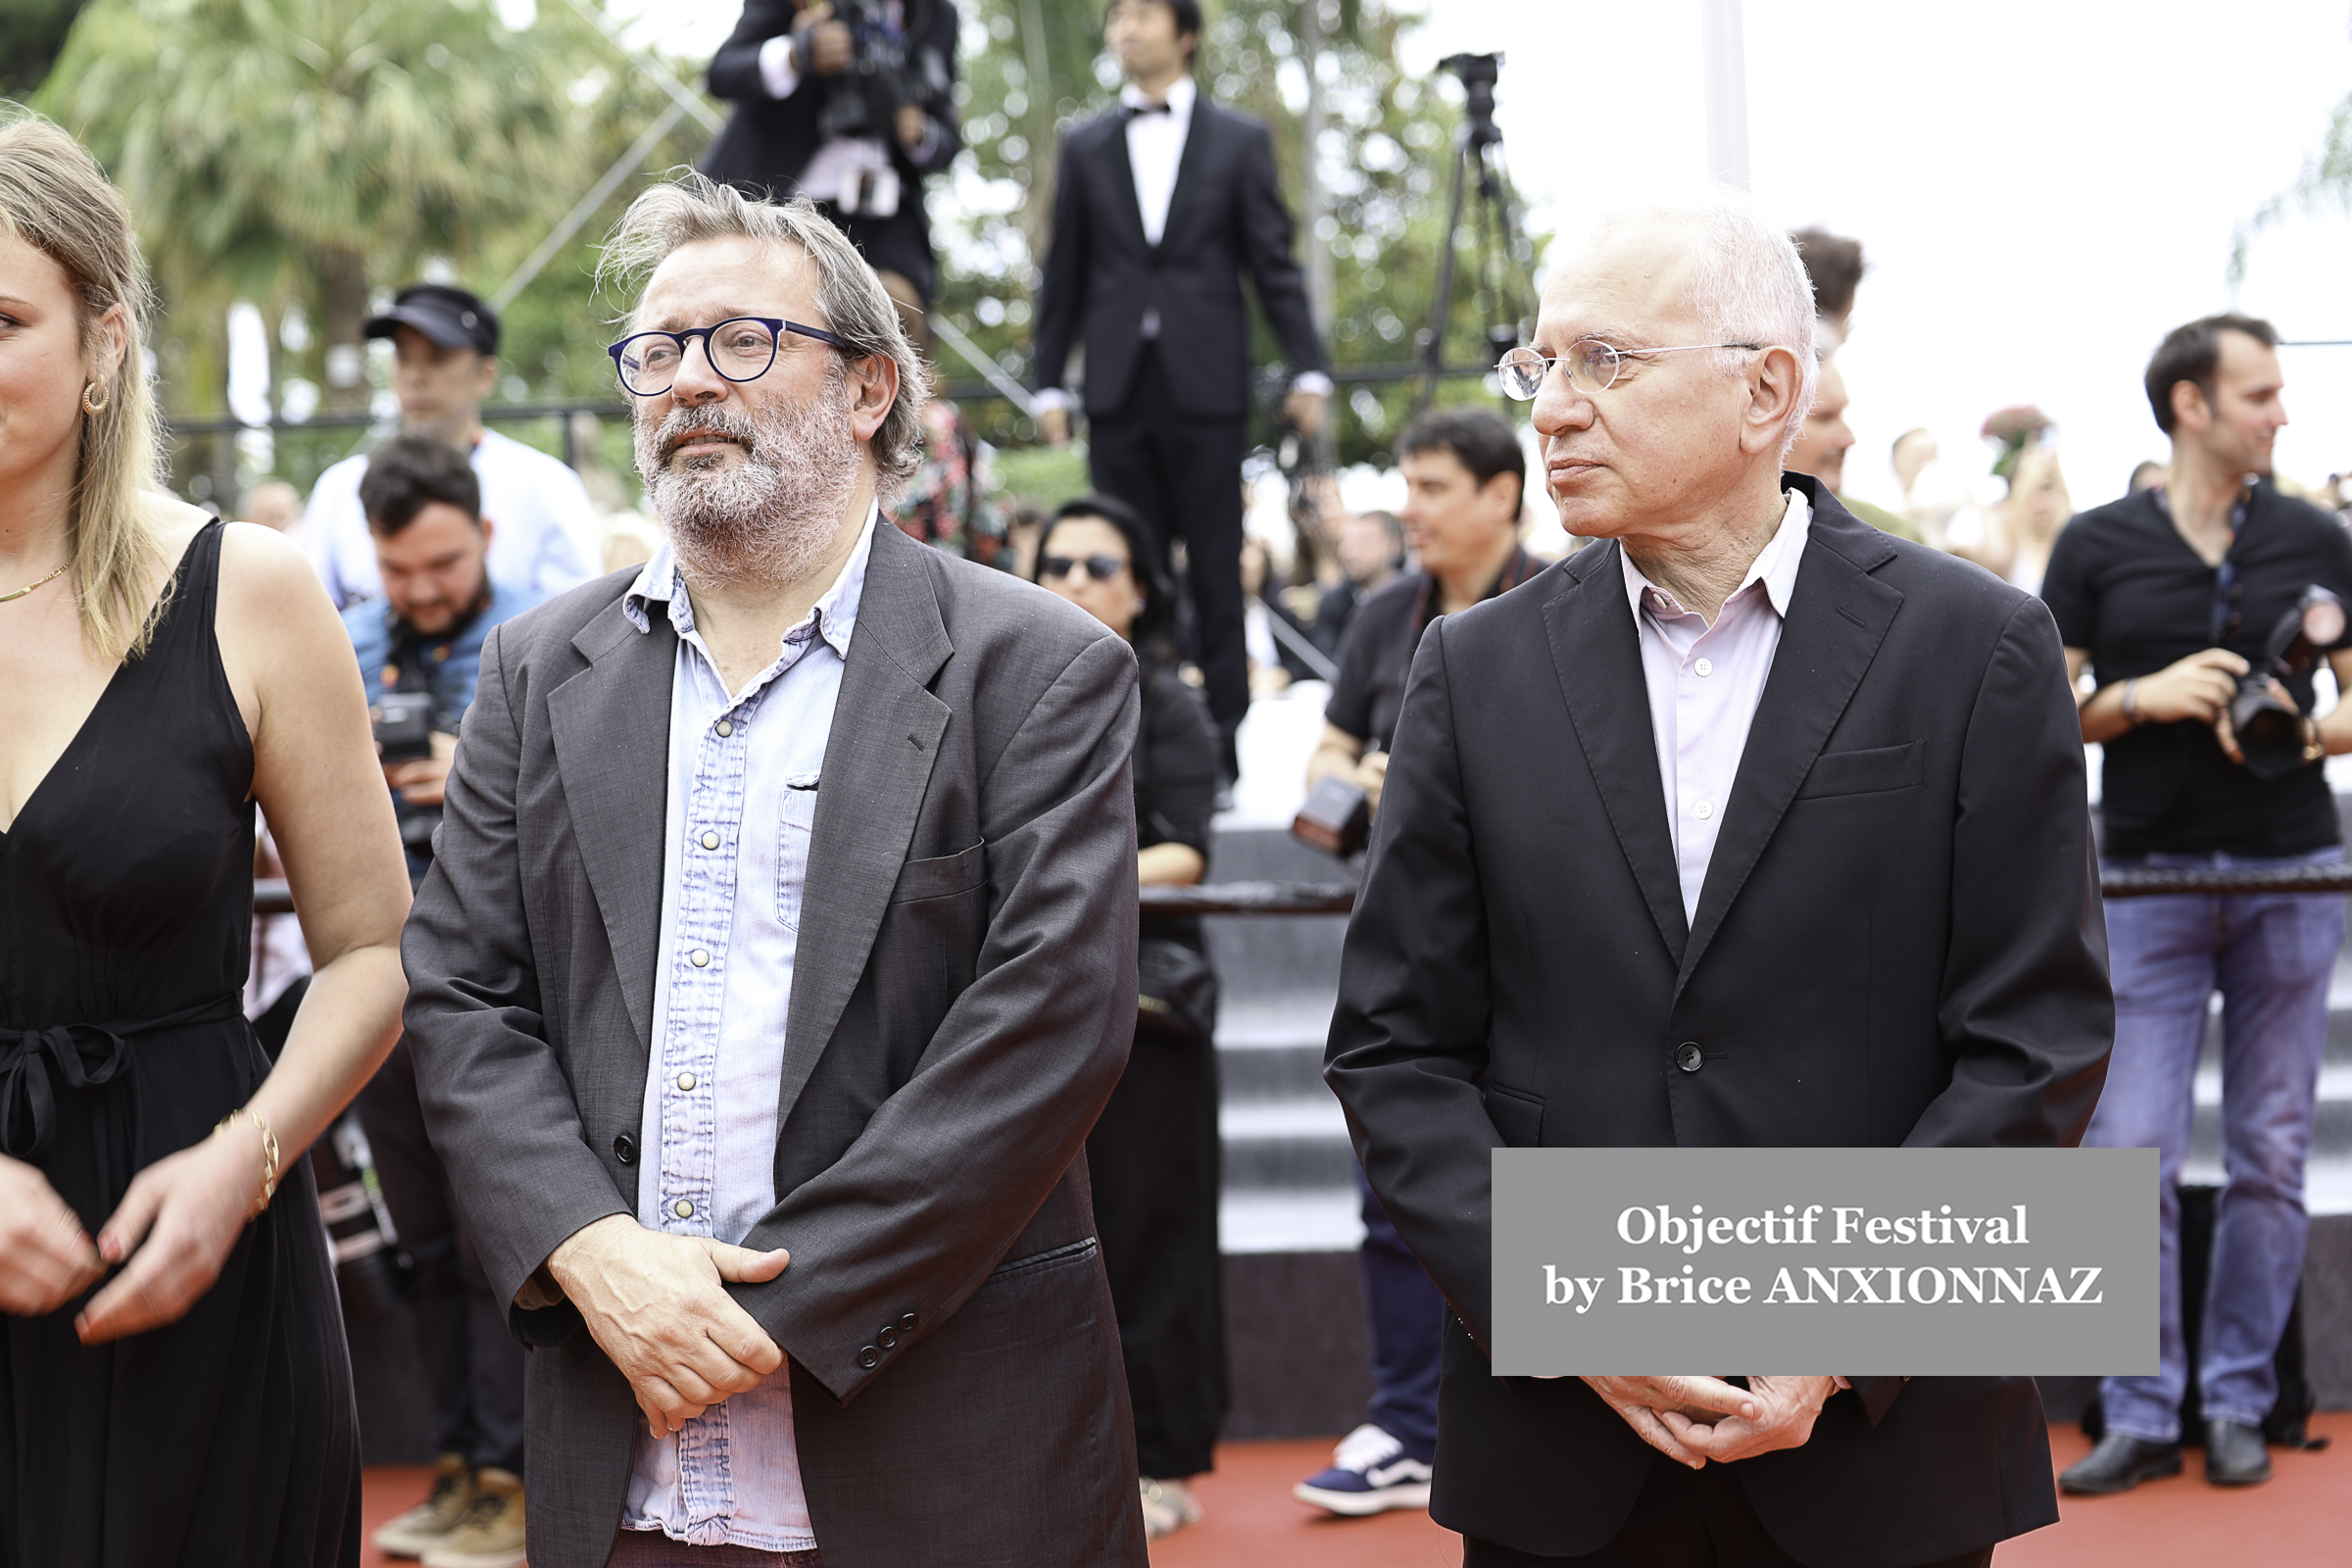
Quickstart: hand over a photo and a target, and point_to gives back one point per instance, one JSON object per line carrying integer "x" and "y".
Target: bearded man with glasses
{"x": 778, "y": 956}
{"x": 1749, "y": 826}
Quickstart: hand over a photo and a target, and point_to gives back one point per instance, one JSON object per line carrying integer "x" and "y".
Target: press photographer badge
{"x": 1845, "y": 1261}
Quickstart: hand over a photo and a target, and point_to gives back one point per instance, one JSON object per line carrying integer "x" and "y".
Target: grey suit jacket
{"x": 962, "y": 1002}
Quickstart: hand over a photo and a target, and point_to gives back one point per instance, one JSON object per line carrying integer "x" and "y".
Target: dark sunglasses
{"x": 1100, "y": 567}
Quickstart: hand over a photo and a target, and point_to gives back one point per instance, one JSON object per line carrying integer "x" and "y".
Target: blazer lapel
{"x": 878, "y": 758}
{"x": 610, "y": 728}
{"x": 1186, "y": 194}
{"x": 1122, "y": 180}
{"x": 1837, "y": 617}
{"x": 1596, "y": 654}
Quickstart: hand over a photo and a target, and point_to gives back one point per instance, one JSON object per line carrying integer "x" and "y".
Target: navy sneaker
{"x": 1370, "y": 1473}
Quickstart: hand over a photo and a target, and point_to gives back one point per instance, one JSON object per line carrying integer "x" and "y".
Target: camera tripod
{"x": 1503, "y": 271}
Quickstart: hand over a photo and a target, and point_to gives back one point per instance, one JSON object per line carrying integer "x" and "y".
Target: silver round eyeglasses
{"x": 1592, "y": 364}
{"x": 740, "y": 347}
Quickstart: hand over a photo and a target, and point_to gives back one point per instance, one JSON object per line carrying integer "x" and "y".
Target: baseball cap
{"x": 452, "y": 317}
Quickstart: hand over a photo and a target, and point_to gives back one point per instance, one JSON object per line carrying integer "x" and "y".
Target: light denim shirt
{"x": 743, "y": 776}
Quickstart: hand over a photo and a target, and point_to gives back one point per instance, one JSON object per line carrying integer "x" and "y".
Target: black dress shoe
{"x": 2121, "y": 1462}
{"x": 2236, "y": 1455}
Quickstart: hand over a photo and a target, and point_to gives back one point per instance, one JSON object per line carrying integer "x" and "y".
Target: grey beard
{"x": 769, "y": 517}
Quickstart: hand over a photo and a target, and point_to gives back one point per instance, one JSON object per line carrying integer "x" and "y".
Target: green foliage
{"x": 30, "y": 34}
{"x": 313, "y": 155}
{"x": 1041, "y": 476}
{"x": 2326, "y": 181}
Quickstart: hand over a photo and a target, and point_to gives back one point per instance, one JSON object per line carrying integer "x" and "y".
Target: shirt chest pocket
{"x": 795, "y": 823}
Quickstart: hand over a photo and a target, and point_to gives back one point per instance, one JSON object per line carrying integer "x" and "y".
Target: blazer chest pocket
{"x": 941, "y": 878}
{"x": 794, "y": 825}
{"x": 1867, "y": 772}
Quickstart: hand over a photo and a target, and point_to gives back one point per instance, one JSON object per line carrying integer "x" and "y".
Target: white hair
{"x": 1748, "y": 284}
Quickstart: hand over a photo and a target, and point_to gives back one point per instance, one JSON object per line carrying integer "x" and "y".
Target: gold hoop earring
{"x": 87, "y": 407}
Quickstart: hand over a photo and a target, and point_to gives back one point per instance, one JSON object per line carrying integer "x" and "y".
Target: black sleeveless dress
{"x": 125, "y": 906}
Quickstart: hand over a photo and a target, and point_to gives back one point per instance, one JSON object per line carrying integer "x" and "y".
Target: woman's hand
{"x": 46, "y": 1257}
{"x": 175, "y": 1225}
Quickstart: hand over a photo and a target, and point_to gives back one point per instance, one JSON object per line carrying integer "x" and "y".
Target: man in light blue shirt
{"x": 777, "y": 956}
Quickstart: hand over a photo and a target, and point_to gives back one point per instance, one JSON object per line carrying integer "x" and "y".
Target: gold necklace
{"x": 27, "y": 588}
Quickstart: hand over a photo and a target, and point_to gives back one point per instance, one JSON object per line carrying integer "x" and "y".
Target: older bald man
{"x": 1749, "y": 826}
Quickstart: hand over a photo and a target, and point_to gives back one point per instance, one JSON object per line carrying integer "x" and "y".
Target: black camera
{"x": 1337, "y": 817}
{"x": 2270, "y": 734}
{"x": 863, "y": 100}
{"x": 1479, "y": 73}
{"x": 404, "y": 726}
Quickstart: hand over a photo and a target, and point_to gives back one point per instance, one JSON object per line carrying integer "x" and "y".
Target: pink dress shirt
{"x": 1704, "y": 683}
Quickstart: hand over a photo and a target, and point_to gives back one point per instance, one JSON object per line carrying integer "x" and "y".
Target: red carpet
{"x": 2303, "y": 1519}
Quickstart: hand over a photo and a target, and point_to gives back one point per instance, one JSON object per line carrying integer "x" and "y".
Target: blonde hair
{"x": 55, "y": 198}
{"x": 693, "y": 207}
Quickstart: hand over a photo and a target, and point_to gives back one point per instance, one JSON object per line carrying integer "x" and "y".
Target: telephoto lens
{"x": 2270, "y": 734}
{"x": 358, "y": 1230}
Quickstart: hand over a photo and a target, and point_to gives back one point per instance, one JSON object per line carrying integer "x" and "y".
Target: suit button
{"x": 906, "y": 1323}
{"x": 1688, "y": 1056}
{"x": 869, "y": 1358}
{"x": 888, "y": 1339}
{"x": 624, "y": 1150}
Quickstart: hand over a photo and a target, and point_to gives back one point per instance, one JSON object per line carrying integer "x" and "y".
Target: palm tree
{"x": 305, "y": 151}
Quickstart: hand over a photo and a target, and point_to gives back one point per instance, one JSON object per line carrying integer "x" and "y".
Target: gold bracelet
{"x": 261, "y": 1204}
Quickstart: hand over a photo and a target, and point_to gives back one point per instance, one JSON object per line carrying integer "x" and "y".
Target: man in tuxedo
{"x": 1160, "y": 208}
{"x": 809, "y": 122}
{"x": 1750, "y": 826}
{"x": 779, "y": 953}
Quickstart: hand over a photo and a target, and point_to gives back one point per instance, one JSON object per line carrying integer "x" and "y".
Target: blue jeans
{"x": 1406, "y": 1315}
{"x": 2271, "y": 956}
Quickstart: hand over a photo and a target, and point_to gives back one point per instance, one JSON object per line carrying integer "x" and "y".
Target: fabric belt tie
{"x": 88, "y": 1055}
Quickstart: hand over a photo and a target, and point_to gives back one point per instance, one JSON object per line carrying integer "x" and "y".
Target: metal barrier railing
{"x": 1339, "y": 898}
{"x": 2152, "y": 881}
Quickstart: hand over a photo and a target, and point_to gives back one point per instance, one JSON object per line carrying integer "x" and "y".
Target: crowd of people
{"x": 732, "y": 950}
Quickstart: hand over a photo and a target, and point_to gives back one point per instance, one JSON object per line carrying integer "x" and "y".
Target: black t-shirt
{"x": 1376, "y": 654}
{"x": 2125, "y": 585}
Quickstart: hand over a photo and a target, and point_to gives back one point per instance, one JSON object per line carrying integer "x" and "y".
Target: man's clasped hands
{"x": 1695, "y": 1419}
{"x": 657, "y": 1306}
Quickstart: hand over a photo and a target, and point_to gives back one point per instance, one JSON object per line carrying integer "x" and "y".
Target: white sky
{"x": 2042, "y": 186}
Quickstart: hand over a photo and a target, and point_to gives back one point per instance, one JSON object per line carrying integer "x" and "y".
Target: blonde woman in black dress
{"x": 173, "y": 1384}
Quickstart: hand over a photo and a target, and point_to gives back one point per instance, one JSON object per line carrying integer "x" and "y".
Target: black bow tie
{"x": 1133, "y": 110}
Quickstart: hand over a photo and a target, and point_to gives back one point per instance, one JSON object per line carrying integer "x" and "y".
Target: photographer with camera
{"x": 420, "y": 645}
{"x": 419, "y": 648}
{"x": 849, "y": 102}
{"x": 2203, "y": 608}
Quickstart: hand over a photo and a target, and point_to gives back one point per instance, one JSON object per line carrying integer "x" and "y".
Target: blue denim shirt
{"x": 449, "y": 667}
{"x": 742, "y": 800}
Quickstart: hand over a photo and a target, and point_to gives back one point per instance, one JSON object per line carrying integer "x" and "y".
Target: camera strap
{"x": 2225, "y": 576}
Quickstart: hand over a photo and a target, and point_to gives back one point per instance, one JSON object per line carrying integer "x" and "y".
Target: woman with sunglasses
{"x": 1154, "y": 1156}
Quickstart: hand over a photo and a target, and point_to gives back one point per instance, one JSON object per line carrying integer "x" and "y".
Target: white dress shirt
{"x": 1704, "y": 683}
{"x": 743, "y": 785}
{"x": 1156, "y": 149}
{"x": 543, "y": 533}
